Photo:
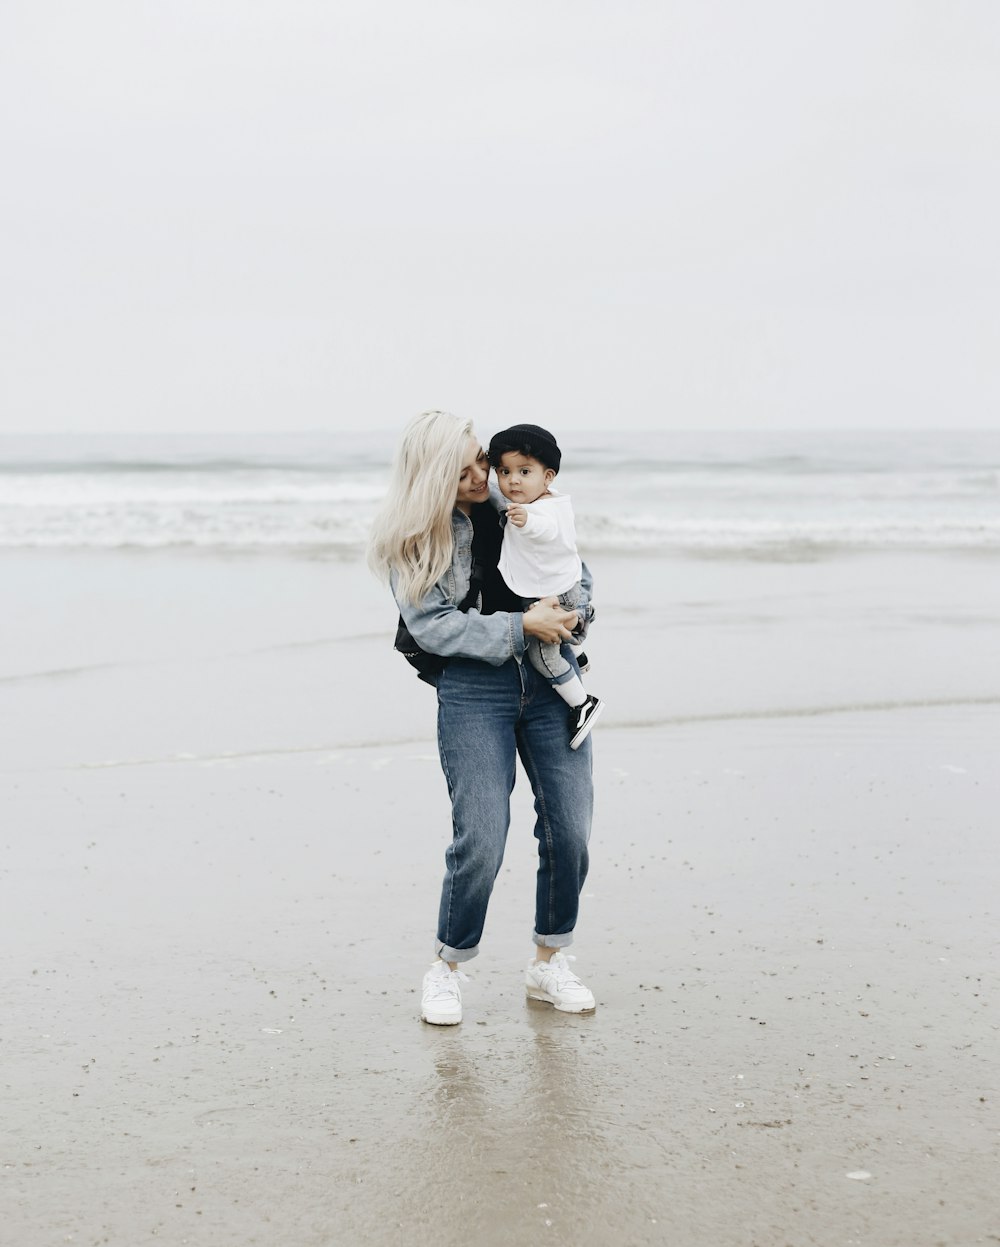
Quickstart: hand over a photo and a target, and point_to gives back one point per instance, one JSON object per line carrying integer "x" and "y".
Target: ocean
{"x": 750, "y": 494}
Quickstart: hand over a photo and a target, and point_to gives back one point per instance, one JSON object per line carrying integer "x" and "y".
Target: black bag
{"x": 429, "y": 665}
{"x": 426, "y": 665}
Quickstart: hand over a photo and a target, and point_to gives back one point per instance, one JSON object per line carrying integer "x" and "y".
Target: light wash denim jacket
{"x": 439, "y": 627}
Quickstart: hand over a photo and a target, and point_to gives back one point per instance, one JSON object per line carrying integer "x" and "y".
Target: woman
{"x": 436, "y": 541}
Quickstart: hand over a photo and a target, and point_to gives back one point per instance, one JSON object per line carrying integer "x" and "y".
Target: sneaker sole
{"x": 584, "y": 731}
{"x": 432, "y": 1021}
{"x": 535, "y": 994}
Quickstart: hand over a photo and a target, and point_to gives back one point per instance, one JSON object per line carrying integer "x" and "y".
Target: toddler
{"x": 539, "y": 557}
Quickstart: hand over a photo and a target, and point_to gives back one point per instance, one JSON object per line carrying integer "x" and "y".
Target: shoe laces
{"x": 444, "y": 984}
{"x": 559, "y": 967}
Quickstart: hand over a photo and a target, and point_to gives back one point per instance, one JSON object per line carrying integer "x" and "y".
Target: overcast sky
{"x": 228, "y": 214}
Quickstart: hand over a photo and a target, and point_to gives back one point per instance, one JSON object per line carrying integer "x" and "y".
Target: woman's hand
{"x": 547, "y": 621}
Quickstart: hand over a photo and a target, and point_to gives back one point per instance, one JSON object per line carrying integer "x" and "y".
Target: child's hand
{"x": 517, "y": 515}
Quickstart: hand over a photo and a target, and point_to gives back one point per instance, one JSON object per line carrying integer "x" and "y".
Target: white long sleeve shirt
{"x": 540, "y": 559}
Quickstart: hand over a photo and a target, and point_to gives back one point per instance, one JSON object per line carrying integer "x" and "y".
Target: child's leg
{"x": 548, "y": 660}
{"x": 550, "y": 664}
{"x": 569, "y": 602}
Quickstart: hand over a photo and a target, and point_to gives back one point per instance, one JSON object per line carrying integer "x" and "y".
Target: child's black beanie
{"x": 527, "y": 439}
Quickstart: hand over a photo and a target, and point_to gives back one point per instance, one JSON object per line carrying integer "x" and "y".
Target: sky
{"x": 228, "y": 215}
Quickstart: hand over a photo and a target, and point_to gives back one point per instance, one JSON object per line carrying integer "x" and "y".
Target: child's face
{"x": 521, "y": 478}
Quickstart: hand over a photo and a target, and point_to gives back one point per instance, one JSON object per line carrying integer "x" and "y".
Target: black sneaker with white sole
{"x": 582, "y": 661}
{"x": 582, "y": 719}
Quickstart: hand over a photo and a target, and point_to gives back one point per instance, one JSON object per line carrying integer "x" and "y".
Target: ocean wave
{"x": 116, "y": 492}
{"x": 769, "y": 496}
{"x": 345, "y": 529}
{"x": 779, "y": 454}
{"x": 872, "y": 532}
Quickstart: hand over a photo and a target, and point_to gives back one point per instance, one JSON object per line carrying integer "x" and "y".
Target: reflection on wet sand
{"x": 519, "y": 1124}
{"x": 538, "y": 1078}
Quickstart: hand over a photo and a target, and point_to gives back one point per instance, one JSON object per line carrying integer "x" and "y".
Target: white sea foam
{"x": 757, "y": 494}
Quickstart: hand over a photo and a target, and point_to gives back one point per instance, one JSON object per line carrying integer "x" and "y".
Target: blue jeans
{"x": 487, "y": 716}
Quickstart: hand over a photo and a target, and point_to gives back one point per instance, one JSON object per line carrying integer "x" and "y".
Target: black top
{"x": 487, "y": 538}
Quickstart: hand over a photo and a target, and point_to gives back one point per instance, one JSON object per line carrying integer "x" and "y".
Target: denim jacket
{"x": 439, "y": 627}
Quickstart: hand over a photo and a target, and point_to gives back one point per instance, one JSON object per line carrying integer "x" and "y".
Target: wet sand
{"x": 218, "y": 906}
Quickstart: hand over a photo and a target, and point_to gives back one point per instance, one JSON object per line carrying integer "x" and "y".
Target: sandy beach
{"x": 223, "y": 835}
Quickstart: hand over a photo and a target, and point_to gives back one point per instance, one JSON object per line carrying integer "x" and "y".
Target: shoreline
{"x": 694, "y": 720}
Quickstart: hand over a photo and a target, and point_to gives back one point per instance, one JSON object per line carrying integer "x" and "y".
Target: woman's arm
{"x": 439, "y": 627}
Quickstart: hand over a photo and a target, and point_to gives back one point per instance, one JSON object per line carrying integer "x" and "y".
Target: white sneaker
{"x": 555, "y": 982}
{"x": 441, "y": 1003}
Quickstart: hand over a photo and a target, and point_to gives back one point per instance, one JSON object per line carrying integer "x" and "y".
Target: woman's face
{"x": 473, "y": 483}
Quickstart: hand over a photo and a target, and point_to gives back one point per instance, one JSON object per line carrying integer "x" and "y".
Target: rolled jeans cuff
{"x": 553, "y": 941}
{"x": 455, "y": 954}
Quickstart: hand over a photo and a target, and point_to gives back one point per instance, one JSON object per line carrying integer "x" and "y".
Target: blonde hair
{"x": 411, "y": 536}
